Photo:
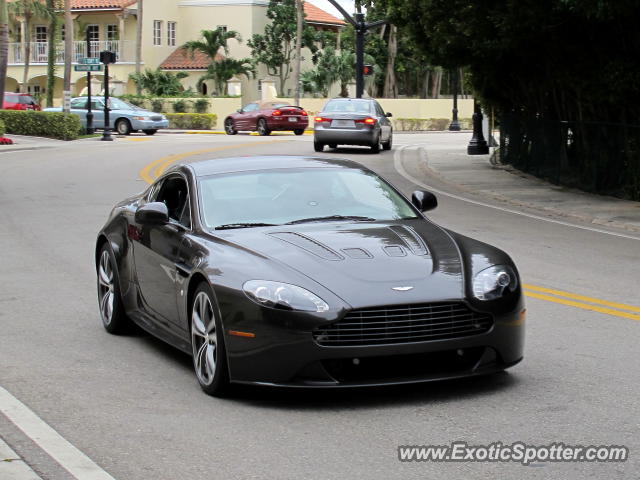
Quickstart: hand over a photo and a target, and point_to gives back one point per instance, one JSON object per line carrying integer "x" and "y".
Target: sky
{"x": 348, "y": 5}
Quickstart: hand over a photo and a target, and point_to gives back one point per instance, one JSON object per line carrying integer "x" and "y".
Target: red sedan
{"x": 266, "y": 117}
{"x": 19, "y": 101}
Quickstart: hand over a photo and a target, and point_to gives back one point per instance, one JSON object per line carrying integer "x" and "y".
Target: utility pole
{"x": 4, "y": 46}
{"x": 68, "y": 53}
{"x": 90, "y": 129}
{"x": 297, "y": 64}
{"x": 361, "y": 27}
{"x": 139, "y": 45}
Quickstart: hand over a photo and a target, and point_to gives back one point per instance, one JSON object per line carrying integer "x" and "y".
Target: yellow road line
{"x": 138, "y": 139}
{"x": 154, "y": 169}
{"x": 583, "y": 306}
{"x": 560, "y": 293}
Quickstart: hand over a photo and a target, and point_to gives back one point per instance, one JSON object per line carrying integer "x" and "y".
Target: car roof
{"x": 217, "y": 166}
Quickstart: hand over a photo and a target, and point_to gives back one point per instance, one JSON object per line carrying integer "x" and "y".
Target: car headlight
{"x": 140, "y": 118}
{"x": 493, "y": 282}
{"x": 283, "y": 295}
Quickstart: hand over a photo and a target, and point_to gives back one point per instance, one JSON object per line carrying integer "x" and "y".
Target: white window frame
{"x": 94, "y": 37}
{"x": 112, "y": 32}
{"x": 35, "y": 33}
{"x": 157, "y": 33}
{"x": 171, "y": 33}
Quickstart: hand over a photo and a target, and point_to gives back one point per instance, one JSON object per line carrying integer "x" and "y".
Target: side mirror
{"x": 388, "y": 115}
{"x": 239, "y": 110}
{"x": 153, "y": 213}
{"x": 424, "y": 201}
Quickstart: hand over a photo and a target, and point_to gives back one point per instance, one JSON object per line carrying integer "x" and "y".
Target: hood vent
{"x": 411, "y": 239}
{"x": 312, "y": 246}
{"x": 357, "y": 253}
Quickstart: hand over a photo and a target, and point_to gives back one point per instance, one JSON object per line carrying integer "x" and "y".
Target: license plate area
{"x": 293, "y": 119}
{"x": 343, "y": 123}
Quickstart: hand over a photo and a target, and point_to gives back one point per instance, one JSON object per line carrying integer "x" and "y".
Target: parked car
{"x": 19, "y": 101}
{"x": 266, "y": 117}
{"x": 305, "y": 272}
{"x": 352, "y": 121}
{"x": 124, "y": 117}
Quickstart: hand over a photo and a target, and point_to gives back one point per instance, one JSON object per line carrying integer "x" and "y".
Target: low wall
{"x": 220, "y": 106}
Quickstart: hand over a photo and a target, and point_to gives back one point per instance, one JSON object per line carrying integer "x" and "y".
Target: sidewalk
{"x": 450, "y": 163}
{"x": 22, "y": 142}
{"x": 12, "y": 467}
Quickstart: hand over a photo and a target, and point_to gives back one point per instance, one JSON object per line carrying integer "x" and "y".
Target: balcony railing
{"x": 124, "y": 49}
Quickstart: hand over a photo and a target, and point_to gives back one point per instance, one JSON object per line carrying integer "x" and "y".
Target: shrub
{"x": 137, "y": 101}
{"x": 157, "y": 105}
{"x": 195, "y": 121}
{"x": 422, "y": 124}
{"x": 180, "y": 106}
{"x": 201, "y": 105}
{"x": 1, "y": 128}
{"x": 64, "y": 126}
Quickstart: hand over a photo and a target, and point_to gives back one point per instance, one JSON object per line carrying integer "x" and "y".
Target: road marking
{"x": 583, "y": 306}
{"x": 69, "y": 457}
{"x": 401, "y": 170}
{"x": 574, "y": 296}
{"x": 138, "y": 139}
{"x": 154, "y": 169}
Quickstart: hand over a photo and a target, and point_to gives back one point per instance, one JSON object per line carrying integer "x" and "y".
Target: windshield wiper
{"x": 330, "y": 218}
{"x": 229, "y": 226}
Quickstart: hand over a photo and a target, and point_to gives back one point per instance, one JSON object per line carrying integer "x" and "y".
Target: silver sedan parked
{"x": 352, "y": 121}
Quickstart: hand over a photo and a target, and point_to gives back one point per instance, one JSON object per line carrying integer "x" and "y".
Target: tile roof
{"x": 317, "y": 15}
{"x": 181, "y": 59}
{"x": 98, "y": 4}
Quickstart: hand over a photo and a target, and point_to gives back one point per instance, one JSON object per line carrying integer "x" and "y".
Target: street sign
{"x": 90, "y": 61}
{"x": 88, "y": 68}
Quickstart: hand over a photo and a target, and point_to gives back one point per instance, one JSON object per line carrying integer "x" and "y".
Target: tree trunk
{"x": 139, "y": 46}
{"x": 298, "y": 51}
{"x": 4, "y": 46}
{"x": 437, "y": 84}
{"x": 27, "y": 52}
{"x": 390, "y": 85}
{"x": 68, "y": 53}
{"x": 461, "y": 83}
{"x": 426, "y": 84}
{"x": 51, "y": 54}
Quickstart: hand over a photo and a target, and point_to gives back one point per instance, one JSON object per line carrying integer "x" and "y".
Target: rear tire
{"x": 299, "y": 131}
{"x": 112, "y": 313}
{"x": 262, "y": 128}
{"x": 207, "y": 343}
{"x": 318, "y": 147}
{"x": 229, "y": 127}
{"x": 150, "y": 132}
{"x": 388, "y": 144}
{"x": 375, "y": 147}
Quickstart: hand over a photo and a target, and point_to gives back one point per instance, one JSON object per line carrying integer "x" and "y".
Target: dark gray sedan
{"x": 353, "y": 121}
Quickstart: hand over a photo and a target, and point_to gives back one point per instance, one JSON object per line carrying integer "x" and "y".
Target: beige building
{"x": 167, "y": 24}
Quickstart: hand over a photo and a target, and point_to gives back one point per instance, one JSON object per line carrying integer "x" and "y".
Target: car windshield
{"x": 298, "y": 195}
{"x": 26, "y": 99}
{"x": 117, "y": 104}
{"x": 350, "y": 106}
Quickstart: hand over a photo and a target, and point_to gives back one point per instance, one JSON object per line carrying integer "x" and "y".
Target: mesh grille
{"x": 403, "y": 324}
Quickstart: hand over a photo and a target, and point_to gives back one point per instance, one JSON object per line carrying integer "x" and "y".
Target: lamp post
{"x": 477, "y": 145}
{"x": 107, "y": 58}
{"x": 454, "y": 126}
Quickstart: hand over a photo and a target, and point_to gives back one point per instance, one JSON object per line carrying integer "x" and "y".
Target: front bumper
{"x": 280, "y": 355}
{"x": 149, "y": 124}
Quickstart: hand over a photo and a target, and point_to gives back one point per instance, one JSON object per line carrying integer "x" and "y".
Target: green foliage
{"x": 63, "y": 126}
{"x": 157, "y": 105}
{"x": 201, "y": 105}
{"x": 275, "y": 48}
{"x": 212, "y": 41}
{"x": 424, "y": 124}
{"x": 158, "y": 82}
{"x": 180, "y": 106}
{"x": 1, "y": 128}
{"x": 195, "y": 121}
{"x": 225, "y": 69}
{"x": 134, "y": 100}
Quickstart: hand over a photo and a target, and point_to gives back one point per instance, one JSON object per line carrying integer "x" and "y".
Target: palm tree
{"x": 68, "y": 49}
{"x": 225, "y": 69}
{"x": 159, "y": 83}
{"x": 4, "y": 46}
{"x": 51, "y": 54}
{"x": 28, "y": 9}
{"x": 212, "y": 41}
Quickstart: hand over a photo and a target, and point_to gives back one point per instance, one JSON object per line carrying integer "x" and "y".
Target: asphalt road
{"x": 133, "y": 406}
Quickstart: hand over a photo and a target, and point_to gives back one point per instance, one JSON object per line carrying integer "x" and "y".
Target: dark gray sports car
{"x": 305, "y": 272}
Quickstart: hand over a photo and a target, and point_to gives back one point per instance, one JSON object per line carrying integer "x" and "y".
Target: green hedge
{"x": 63, "y": 126}
{"x": 421, "y": 124}
{"x": 192, "y": 121}
{"x": 1, "y": 128}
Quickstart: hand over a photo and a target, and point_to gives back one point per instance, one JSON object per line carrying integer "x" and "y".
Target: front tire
{"x": 263, "y": 130}
{"x": 318, "y": 147}
{"x": 299, "y": 131}
{"x": 150, "y": 132}
{"x": 114, "y": 317}
{"x": 123, "y": 127}
{"x": 207, "y": 343}
{"x": 229, "y": 127}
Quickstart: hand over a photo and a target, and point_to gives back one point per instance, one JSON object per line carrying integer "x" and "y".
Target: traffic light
{"x": 107, "y": 57}
{"x": 367, "y": 69}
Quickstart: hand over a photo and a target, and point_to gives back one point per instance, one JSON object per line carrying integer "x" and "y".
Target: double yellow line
{"x": 154, "y": 169}
{"x": 583, "y": 302}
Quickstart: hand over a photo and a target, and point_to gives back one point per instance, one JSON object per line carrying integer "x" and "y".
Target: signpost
{"x": 89, "y": 62}
{"x": 87, "y": 68}
{"x": 107, "y": 57}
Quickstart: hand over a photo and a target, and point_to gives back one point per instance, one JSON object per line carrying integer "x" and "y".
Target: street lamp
{"x": 454, "y": 126}
{"x": 477, "y": 145}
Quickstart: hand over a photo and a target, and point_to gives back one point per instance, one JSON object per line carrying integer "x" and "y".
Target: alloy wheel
{"x": 204, "y": 339}
{"x": 106, "y": 287}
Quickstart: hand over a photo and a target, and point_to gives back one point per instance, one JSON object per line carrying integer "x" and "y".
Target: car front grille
{"x": 156, "y": 118}
{"x": 403, "y": 324}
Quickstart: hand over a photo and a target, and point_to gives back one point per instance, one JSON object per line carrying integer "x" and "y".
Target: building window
{"x": 94, "y": 40}
{"x": 62, "y": 30}
{"x": 171, "y": 34}
{"x": 112, "y": 32}
{"x": 40, "y": 33}
{"x": 157, "y": 32}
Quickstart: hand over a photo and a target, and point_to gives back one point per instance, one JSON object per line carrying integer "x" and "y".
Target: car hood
{"x": 366, "y": 264}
